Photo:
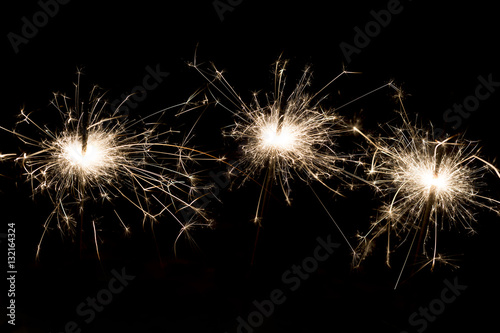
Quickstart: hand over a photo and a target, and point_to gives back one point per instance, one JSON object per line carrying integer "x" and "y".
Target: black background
{"x": 434, "y": 51}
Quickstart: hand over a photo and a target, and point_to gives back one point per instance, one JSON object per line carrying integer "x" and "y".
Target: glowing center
{"x": 91, "y": 158}
{"x": 429, "y": 179}
{"x": 278, "y": 139}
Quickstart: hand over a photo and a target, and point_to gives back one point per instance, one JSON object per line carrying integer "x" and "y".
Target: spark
{"x": 100, "y": 155}
{"x": 6, "y": 156}
{"x": 295, "y": 141}
{"x": 293, "y": 136}
{"x": 430, "y": 185}
{"x": 286, "y": 136}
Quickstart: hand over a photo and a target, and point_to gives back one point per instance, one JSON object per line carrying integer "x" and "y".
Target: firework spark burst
{"x": 287, "y": 136}
{"x": 99, "y": 155}
{"x": 431, "y": 185}
{"x": 290, "y": 138}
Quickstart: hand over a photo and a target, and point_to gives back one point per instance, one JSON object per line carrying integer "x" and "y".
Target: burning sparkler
{"x": 429, "y": 183}
{"x": 287, "y": 136}
{"x": 101, "y": 156}
{"x": 295, "y": 134}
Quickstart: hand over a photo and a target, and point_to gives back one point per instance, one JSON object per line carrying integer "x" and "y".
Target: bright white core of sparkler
{"x": 422, "y": 176}
{"x": 284, "y": 138}
{"x": 430, "y": 180}
{"x": 99, "y": 156}
{"x": 74, "y": 153}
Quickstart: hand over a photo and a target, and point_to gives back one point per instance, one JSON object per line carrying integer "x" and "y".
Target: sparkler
{"x": 286, "y": 137}
{"x": 289, "y": 137}
{"x": 429, "y": 183}
{"x": 103, "y": 156}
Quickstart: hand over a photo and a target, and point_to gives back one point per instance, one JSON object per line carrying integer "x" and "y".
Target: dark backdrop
{"x": 434, "y": 51}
